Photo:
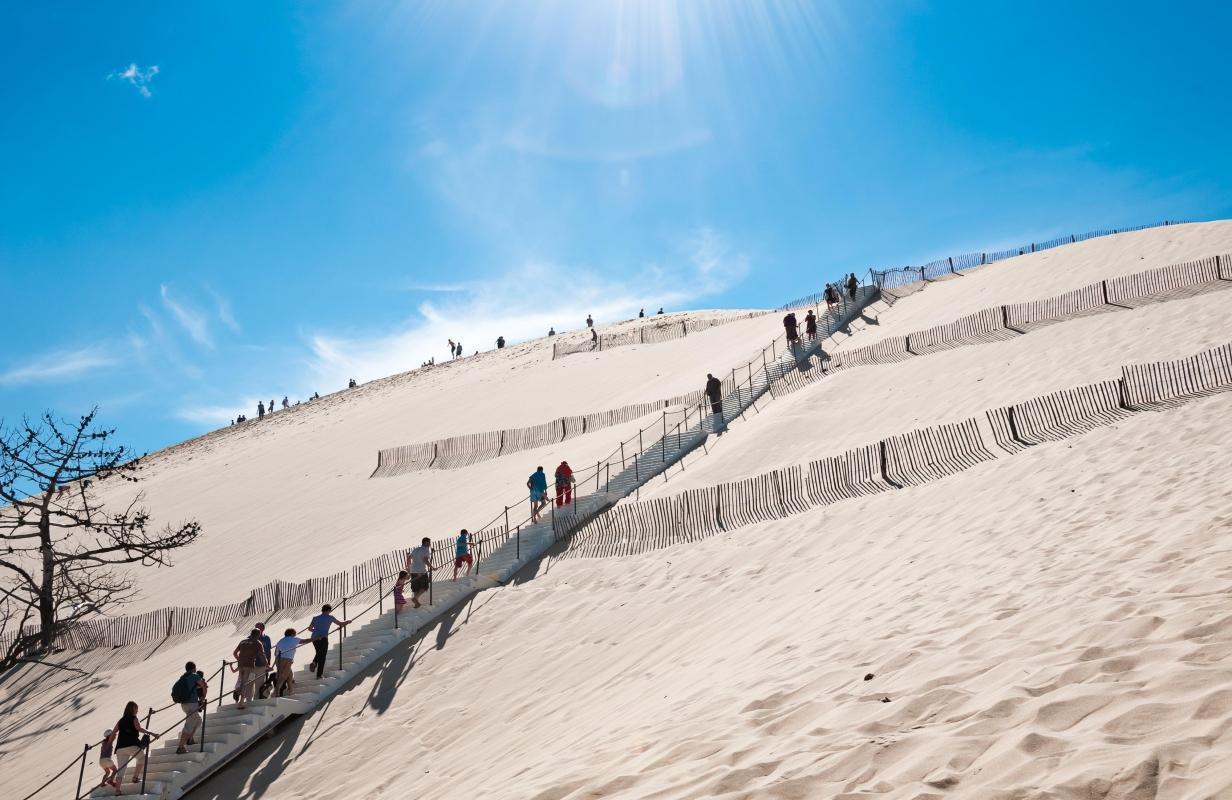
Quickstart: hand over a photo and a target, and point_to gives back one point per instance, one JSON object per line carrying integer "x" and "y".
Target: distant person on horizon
{"x": 564, "y": 484}
{"x": 453, "y": 350}
{"x": 462, "y": 554}
{"x": 319, "y": 626}
{"x": 853, "y": 285}
{"x": 590, "y": 323}
{"x": 538, "y": 485}
{"x": 810, "y": 325}
{"x": 789, "y": 325}
{"x": 831, "y": 295}
{"x": 500, "y": 342}
{"x": 459, "y": 352}
{"x": 260, "y": 410}
{"x": 641, "y": 314}
{"x": 285, "y": 402}
{"x": 271, "y": 407}
{"x": 714, "y": 393}
{"x": 419, "y": 565}
{"x": 551, "y": 331}
{"x": 660, "y": 310}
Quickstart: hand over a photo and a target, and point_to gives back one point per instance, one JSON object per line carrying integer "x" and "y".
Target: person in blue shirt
{"x": 319, "y": 626}
{"x": 462, "y": 554}
{"x": 538, "y": 485}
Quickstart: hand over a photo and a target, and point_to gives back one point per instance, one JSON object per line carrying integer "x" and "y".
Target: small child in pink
{"x": 399, "y": 598}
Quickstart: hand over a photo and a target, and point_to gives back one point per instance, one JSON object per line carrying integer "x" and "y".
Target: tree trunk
{"x": 47, "y": 608}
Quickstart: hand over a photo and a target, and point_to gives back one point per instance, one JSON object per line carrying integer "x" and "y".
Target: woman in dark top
{"x": 129, "y": 746}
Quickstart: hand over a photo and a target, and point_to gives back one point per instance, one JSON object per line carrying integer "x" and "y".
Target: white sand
{"x": 1049, "y": 625}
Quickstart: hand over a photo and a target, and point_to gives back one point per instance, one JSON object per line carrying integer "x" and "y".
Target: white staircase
{"x": 227, "y": 731}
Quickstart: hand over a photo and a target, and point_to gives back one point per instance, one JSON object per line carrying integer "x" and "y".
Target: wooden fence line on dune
{"x": 648, "y": 333}
{"x": 952, "y": 265}
{"x": 455, "y": 452}
{"x": 911, "y": 459}
{"x": 998, "y": 323}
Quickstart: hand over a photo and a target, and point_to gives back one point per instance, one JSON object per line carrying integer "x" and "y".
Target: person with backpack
{"x": 419, "y": 565}
{"x": 250, "y": 660}
{"x": 853, "y": 285}
{"x": 187, "y": 691}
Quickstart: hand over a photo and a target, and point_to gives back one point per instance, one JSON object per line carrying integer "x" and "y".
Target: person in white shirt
{"x": 419, "y": 564}
{"x": 284, "y": 659}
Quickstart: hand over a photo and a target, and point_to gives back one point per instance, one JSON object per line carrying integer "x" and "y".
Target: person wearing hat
{"x": 564, "y": 484}
{"x": 104, "y": 756}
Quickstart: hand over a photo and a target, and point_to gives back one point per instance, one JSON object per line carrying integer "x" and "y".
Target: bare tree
{"x": 63, "y": 553}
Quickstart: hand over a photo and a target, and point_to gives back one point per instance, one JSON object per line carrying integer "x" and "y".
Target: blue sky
{"x": 204, "y": 204}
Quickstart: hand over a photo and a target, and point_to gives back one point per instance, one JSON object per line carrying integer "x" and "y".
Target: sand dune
{"x": 1051, "y": 625}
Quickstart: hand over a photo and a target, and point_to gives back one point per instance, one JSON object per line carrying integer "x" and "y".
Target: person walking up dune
{"x": 250, "y": 660}
{"x": 319, "y": 627}
{"x": 130, "y": 745}
{"x": 714, "y": 393}
{"x": 564, "y": 484}
{"x": 831, "y": 297}
{"x": 790, "y": 326}
{"x": 853, "y": 286}
{"x": 419, "y": 565}
{"x": 462, "y": 554}
{"x": 284, "y": 661}
{"x": 187, "y": 691}
{"x": 260, "y": 410}
{"x": 810, "y": 325}
{"x": 538, "y": 485}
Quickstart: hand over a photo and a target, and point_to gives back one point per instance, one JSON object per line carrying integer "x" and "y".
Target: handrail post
{"x": 622, "y": 455}
{"x": 222, "y": 681}
{"x": 81, "y": 776}
{"x": 519, "y": 543}
{"x": 596, "y": 482}
{"x": 430, "y": 577}
{"x": 145, "y": 762}
{"x": 205, "y": 707}
{"x": 340, "y": 634}
{"x": 380, "y": 601}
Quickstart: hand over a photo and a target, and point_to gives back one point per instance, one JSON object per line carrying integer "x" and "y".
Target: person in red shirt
{"x": 564, "y": 484}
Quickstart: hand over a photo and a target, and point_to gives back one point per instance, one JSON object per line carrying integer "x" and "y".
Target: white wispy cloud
{"x": 704, "y": 262}
{"x": 225, "y": 315}
{"x": 59, "y": 365}
{"x": 193, "y": 321}
{"x": 137, "y": 77}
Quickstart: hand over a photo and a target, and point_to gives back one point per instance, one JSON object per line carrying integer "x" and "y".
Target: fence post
{"x": 1219, "y": 268}
{"x": 81, "y": 776}
{"x": 982, "y": 257}
{"x": 951, "y": 263}
{"x": 145, "y": 748}
{"x": 684, "y": 328}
